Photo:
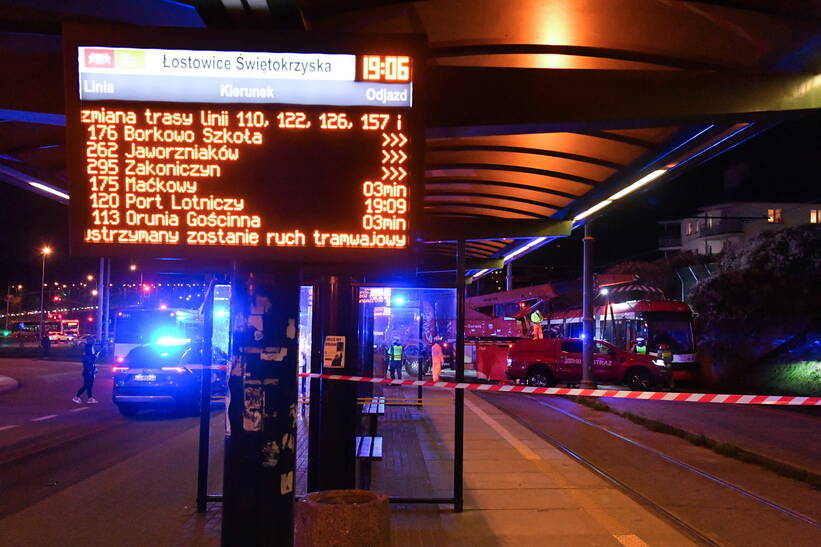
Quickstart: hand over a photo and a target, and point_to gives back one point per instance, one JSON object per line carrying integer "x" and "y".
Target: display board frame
{"x": 76, "y": 35}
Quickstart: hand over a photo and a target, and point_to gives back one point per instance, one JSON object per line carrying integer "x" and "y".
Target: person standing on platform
{"x": 437, "y": 357}
{"x": 395, "y": 360}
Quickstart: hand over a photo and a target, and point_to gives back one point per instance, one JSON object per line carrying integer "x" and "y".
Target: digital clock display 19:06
{"x": 386, "y": 68}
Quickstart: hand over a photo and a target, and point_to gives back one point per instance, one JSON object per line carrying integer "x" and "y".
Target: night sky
{"x": 782, "y": 164}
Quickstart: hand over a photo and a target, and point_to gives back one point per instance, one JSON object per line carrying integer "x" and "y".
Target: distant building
{"x": 714, "y": 228}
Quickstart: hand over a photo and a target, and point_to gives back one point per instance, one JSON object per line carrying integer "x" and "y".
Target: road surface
{"x": 139, "y": 470}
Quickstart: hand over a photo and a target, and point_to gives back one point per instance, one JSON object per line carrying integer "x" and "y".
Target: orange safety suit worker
{"x": 437, "y": 359}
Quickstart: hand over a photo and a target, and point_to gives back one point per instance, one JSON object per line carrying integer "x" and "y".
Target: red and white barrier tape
{"x": 644, "y": 395}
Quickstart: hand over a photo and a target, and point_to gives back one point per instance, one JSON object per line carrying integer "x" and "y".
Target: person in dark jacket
{"x": 89, "y": 370}
{"x": 45, "y": 343}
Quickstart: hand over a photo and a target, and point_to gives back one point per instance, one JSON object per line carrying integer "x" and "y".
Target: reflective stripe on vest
{"x": 396, "y": 352}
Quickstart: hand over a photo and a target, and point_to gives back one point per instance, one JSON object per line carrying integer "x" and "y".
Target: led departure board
{"x": 195, "y": 143}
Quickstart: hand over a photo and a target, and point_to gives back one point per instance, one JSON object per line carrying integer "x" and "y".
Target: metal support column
{"x": 107, "y": 313}
{"x": 260, "y": 445}
{"x": 588, "y": 331}
{"x": 101, "y": 290}
{"x": 337, "y": 403}
{"x": 205, "y": 399}
{"x": 509, "y": 276}
{"x": 459, "y": 410}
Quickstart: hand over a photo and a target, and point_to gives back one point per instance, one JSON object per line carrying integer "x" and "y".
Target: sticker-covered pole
{"x": 260, "y": 447}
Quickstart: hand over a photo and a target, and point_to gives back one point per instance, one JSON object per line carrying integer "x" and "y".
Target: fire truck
{"x": 630, "y": 312}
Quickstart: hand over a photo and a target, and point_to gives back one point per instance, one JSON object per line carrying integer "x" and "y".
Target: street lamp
{"x": 45, "y": 251}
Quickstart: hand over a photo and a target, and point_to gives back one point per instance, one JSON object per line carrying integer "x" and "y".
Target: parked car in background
{"x": 165, "y": 376}
{"x": 546, "y": 362}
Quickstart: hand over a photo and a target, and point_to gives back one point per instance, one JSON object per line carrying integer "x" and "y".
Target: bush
{"x": 766, "y": 292}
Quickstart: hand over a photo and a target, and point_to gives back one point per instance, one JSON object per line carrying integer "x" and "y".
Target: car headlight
{"x": 660, "y": 362}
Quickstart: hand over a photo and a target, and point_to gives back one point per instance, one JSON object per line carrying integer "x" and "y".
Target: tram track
{"x": 684, "y": 523}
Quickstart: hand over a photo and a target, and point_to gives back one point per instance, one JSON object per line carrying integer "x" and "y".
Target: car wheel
{"x": 539, "y": 377}
{"x": 638, "y": 379}
{"x": 128, "y": 410}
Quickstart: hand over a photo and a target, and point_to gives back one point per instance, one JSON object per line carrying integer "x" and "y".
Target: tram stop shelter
{"x": 541, "y": 116}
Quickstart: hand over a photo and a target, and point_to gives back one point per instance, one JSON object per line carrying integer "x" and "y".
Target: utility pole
{"x": 588, "y": 330}
{"x": 8, "y": 303}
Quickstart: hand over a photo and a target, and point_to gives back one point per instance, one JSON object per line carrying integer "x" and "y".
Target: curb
{"x": 8, "y": 384}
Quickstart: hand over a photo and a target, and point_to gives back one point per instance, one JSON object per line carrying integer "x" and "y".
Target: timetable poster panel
{"x": 228, "y": 153}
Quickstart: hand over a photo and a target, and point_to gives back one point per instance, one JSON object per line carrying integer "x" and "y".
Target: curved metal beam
{"x": 489, "y": 195}
{"x": 576, "y": 51}
{"x": 513, "y": 168}
{"x": 433, "y": 181}
{"x": 522, "y": 150}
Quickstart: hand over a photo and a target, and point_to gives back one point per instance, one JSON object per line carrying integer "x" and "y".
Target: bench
{"x": 373, "y": 410}
{"x": 368, "y": 449}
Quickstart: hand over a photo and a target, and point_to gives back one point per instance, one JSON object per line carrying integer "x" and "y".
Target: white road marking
{"x": 79, "y": 409}
{"x": 630, "y": 540}
{"x": 526, "y": 452}
{"x": 5, "y": 427}
{"x": 44, "y": 418}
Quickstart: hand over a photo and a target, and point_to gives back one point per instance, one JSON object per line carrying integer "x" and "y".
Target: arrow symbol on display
{"x": 395, "y": 139}
{"x": 386, "y": 158}
{"x": 403, "y": 157}
{"x": 385, "y": 173}
{"x": 404, "y": 139}
{"x": 386, "y": 138}
{"x": 403, "y": 173}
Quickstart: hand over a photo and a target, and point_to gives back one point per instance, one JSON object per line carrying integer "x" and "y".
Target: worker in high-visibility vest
{"x": 437, "y": 357}
{"x": 395, "y": 360}
{"x": 640, "y": 346}
{"x": 536, "y": 319}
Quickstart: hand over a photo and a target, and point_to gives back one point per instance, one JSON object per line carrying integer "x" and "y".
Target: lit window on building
{"x": 815, "y": 216}
{"x": 689, "y": 228}
{"x": 774, "y": 216}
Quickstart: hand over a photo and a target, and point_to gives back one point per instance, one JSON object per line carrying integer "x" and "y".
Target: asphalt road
{"x": 722, "y": 500}
{"x": 49, "y": 444}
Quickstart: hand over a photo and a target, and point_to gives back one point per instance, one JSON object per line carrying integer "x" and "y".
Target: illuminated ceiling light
{"x": 598, "y": 207}
{"x": 480, "y": 273}
{"x": 49, "y": 189}
{"x": 650, "y": 177}
{"x": 523, "y": 248}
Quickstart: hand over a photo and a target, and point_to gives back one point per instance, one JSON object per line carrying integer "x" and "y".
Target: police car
{"x": 165, "y": 375}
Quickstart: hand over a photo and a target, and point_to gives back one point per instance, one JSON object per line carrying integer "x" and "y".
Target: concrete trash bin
{"x": 343, "y": 518}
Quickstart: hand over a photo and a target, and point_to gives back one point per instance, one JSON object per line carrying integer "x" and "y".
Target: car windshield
{"x": 153, "y": 356}
{"x": 673, "y": 329}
